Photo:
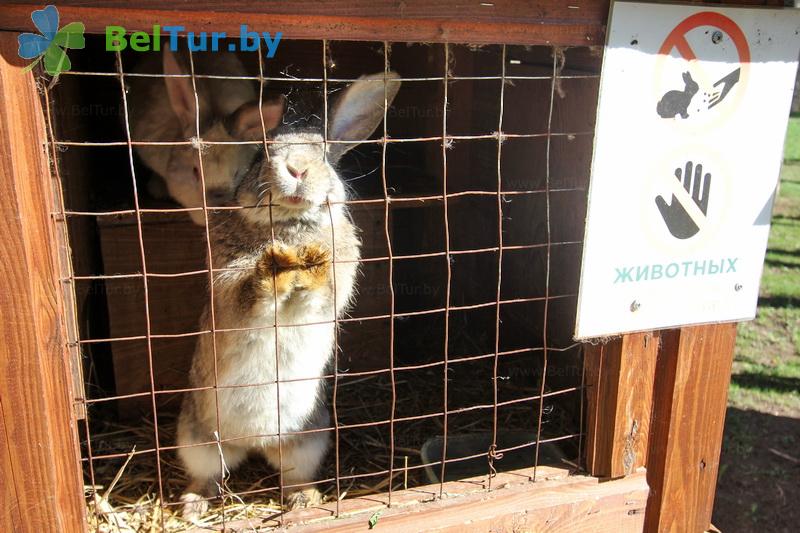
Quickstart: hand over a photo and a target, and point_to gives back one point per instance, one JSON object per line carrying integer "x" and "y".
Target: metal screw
{"x": 635, "y": 305}
{"x": 702, "y": 464}
{"x": 737, "y": 287}
{"x": 716, "y": 37}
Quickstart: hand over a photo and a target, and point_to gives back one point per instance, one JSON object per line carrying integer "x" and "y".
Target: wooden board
{"x": 690, "y": 397}
{"x": 552, "y": 22}
{"x": 558, "y": 502}
{"x": 172, "y": 244}
{"x": 574, "y": 23}
{"x": 10, "y": 513}
{"x": 45, "y": 476}
{"x": 619, "y": 389}
{"x": 584, "y": 506}
{"x": 501, "y": 21}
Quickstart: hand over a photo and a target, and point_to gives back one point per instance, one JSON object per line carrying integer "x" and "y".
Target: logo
{"x": 52, "y": 44}
{"x": 140, "y": 41}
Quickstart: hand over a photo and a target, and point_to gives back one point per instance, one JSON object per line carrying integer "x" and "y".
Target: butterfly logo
{"x": 52, "y": 44}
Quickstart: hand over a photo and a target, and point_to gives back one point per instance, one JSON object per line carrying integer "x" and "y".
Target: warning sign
{"x": 688, "y": 146}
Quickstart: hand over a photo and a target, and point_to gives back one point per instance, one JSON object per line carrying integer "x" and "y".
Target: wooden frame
{"x": 42, "y": 483}
{"x": 671, "y": 386}
{"x": 547, "y": 22}
{"x": 619, "y": 382}
{"x": 561, "y": 502}
{"x": 650, "y": 394}
{"x": 690, "y": 398}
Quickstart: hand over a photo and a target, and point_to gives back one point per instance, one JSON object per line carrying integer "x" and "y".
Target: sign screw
{"x": 737, "y": 287}
{"x": 635, "y": 305}
{"x": 716, "y": 37}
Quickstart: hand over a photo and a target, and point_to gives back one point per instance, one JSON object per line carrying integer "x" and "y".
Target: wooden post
{"x": 619, "y": 388}
{"x": 39, "y": 461}
{"x": 691, "y": 391}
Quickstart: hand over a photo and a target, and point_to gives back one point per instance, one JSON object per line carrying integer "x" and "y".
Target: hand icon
{"x": 727, "y": 84}
{"x": 678, "y": 221}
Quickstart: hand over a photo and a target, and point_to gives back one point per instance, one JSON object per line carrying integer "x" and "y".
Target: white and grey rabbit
{"x": 279, "y": 261}
{"x": 166, "y": 111}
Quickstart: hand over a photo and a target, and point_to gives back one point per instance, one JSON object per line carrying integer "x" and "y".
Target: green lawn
{"x": 791, "y": 151}
{"x": 766, "y": 368}
{"x": 759, "y": 478}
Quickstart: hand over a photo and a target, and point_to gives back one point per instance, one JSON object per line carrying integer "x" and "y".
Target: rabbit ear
{"x": 179, "y": 91}
{"x": 245, "y": 123}
{"x": 359, "y": 110}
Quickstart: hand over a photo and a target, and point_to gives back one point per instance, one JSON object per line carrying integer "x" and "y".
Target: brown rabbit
{"x": 166, "y": 111}
{"x": 292, "y": 262}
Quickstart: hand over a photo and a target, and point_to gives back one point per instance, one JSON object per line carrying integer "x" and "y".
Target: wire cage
{"x": 470, "y": 199}
{"x": 455, "y": 393}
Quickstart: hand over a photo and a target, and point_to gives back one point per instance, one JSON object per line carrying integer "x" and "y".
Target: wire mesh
{"x": 342, "y": 478}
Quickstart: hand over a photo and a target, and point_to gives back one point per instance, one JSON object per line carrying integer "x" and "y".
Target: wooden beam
{"x": 561, "y": 502}
{"x": 503, "y": 21}
{"x": 691, "y": 391}
{"x": 619, "y": 388}
{"x": 9, "y": 513}
{"x": 544, "y": 22}
{"x": 572, "y": 505}
{"x": 44, "y": 491}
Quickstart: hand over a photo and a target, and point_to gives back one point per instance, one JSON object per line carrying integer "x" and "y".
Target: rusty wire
{"x": 388, "y": 201}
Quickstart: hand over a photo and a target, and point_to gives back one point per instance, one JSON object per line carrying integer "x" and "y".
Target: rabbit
{"x": 677, "y": 102}
{"x": 166, "y": 112}
{"x": 278, "y": 259}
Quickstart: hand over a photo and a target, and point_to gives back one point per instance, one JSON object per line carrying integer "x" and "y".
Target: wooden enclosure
{"x": 651, "y": 405}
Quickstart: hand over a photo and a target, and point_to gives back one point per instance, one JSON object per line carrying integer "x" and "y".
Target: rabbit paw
{"x": 303, "y": 498}
{"x": 316, "y": 260}
{"x": 276, "y": 268}
{"x": 194, "y": 506}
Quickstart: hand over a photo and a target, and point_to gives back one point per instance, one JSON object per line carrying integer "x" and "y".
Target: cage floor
{"x": 128, "y": 489}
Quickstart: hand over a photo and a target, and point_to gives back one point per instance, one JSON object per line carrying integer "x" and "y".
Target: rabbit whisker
{"x": 364, "y": 175}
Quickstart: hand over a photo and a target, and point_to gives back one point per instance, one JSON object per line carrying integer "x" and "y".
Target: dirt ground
{"x": 759, "y": 482}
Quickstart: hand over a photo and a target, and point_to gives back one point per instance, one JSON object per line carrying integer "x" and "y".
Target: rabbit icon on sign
{"x": 677, "y": 102}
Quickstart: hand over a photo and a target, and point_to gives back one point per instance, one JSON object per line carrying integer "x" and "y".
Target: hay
{"x": 131, "y": 500}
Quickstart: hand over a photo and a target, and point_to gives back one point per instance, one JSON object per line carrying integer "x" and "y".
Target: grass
{"x": 791, "y": 150}
{"x": 766, "y": 370}
{"x": 757, "y": 488}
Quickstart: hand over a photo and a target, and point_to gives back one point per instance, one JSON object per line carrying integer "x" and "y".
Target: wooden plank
{"x": 527, "y": 11}
{"x": 34, "y": 369}
{"x": 577, "y": 507}
{"x": 619, "y": 388}
{"x": 175, "y": 303}
{"x": 10, "y": 512}
{"x": 76, "y": 255}
{"x": 551, "y": 22}
{"x": 690, "y": 396}
{"x": 502, "y": 21}
{"x": 559, "y": 502}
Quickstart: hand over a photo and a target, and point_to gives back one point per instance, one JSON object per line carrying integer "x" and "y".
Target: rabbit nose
{"x": 298, "y": 174}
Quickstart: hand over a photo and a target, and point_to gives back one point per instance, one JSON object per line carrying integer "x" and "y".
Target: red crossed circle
{"x": 677, "y": 37}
